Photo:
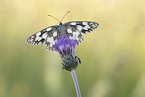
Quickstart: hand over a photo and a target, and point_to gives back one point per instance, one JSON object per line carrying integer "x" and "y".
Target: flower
{"x": 66, "y": 48}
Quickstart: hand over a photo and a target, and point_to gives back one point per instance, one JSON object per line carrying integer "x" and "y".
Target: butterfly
{"x": 73, "y": 30}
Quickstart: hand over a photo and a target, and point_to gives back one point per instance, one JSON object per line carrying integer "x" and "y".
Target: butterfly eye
{"x": 60, "y": 24}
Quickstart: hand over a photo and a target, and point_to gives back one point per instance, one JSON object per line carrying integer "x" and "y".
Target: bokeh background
{"x": 113, "y": 56}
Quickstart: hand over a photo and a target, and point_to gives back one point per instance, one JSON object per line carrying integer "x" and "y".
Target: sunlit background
{"x": 113, "y": 56}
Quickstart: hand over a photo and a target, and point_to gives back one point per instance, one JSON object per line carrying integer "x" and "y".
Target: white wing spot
{"x": 85, "y": 28}
{"x": 31, "y": 40}
{"x": 54, "y": 34}
{"x": 48, "y": 29}
{"x": 32, "y": 36}
{"x": 69, "y": 30}
{"x": 94, "y": 25}
{"x": 38, "y": 38}
{"x": 50, "y": 39}
{"x": 86, "y": 32}
{"x": 70, "y": 37}
{"x": 40, "y": 43}
{"x": 79, "y": 27}
{"x": 37, "y": 34}
{"x": 85, "y": 23}
{"x": 75, "y": 35}
{"x": 50, "y": 45}
{"x": 44, "y": 35}
{"x": 73, "y": 23}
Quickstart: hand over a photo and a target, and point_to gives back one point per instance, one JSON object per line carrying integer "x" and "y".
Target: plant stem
{"x": 76, "y": 83}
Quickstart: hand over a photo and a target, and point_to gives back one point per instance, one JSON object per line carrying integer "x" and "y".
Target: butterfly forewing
{"x": 83, "y": 26}
{"x": 52, "y": 38}
{"x": 47, "y": 36}
{"x": 36, "y": 38}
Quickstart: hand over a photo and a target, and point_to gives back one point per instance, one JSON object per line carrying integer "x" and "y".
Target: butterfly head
{"x": 60, "y": 23}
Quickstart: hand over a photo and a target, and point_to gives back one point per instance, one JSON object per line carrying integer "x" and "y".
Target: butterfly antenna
{"x": 54, "y": 18}
{"x": 64, "y": 16}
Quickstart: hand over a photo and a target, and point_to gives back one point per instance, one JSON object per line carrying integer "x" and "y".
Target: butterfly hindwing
{"x": 83, "y": 26}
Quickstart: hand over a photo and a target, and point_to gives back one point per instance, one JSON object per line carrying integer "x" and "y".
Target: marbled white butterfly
{"x": 73, "y": 29}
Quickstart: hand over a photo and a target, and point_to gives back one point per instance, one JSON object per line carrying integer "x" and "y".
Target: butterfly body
{"x": 61, "y": 29}
{"x": 73, "y": 30}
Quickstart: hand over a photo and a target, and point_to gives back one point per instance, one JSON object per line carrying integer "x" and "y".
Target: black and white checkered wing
{"x": 47, "y": 36}
{"x": 83, "y": 26}
{"x": 74, "y": 34}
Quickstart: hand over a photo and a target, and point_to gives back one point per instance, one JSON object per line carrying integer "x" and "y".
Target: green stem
{"x": 76, "y": 83}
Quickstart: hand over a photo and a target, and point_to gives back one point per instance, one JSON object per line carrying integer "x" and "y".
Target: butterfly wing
{"x": 75, "y": 29}
{"x": 83, "y": 26}
{"x": 73, "y": 33}
{"x": 47, "y": 36}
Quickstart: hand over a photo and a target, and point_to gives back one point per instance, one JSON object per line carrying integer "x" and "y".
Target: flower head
{"x": 66, "y": 48}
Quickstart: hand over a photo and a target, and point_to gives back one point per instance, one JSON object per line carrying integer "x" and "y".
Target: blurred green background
{"x": 113, "y": 56}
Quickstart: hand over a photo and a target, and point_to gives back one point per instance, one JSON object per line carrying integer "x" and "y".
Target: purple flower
{"x": 66, "y": 48}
